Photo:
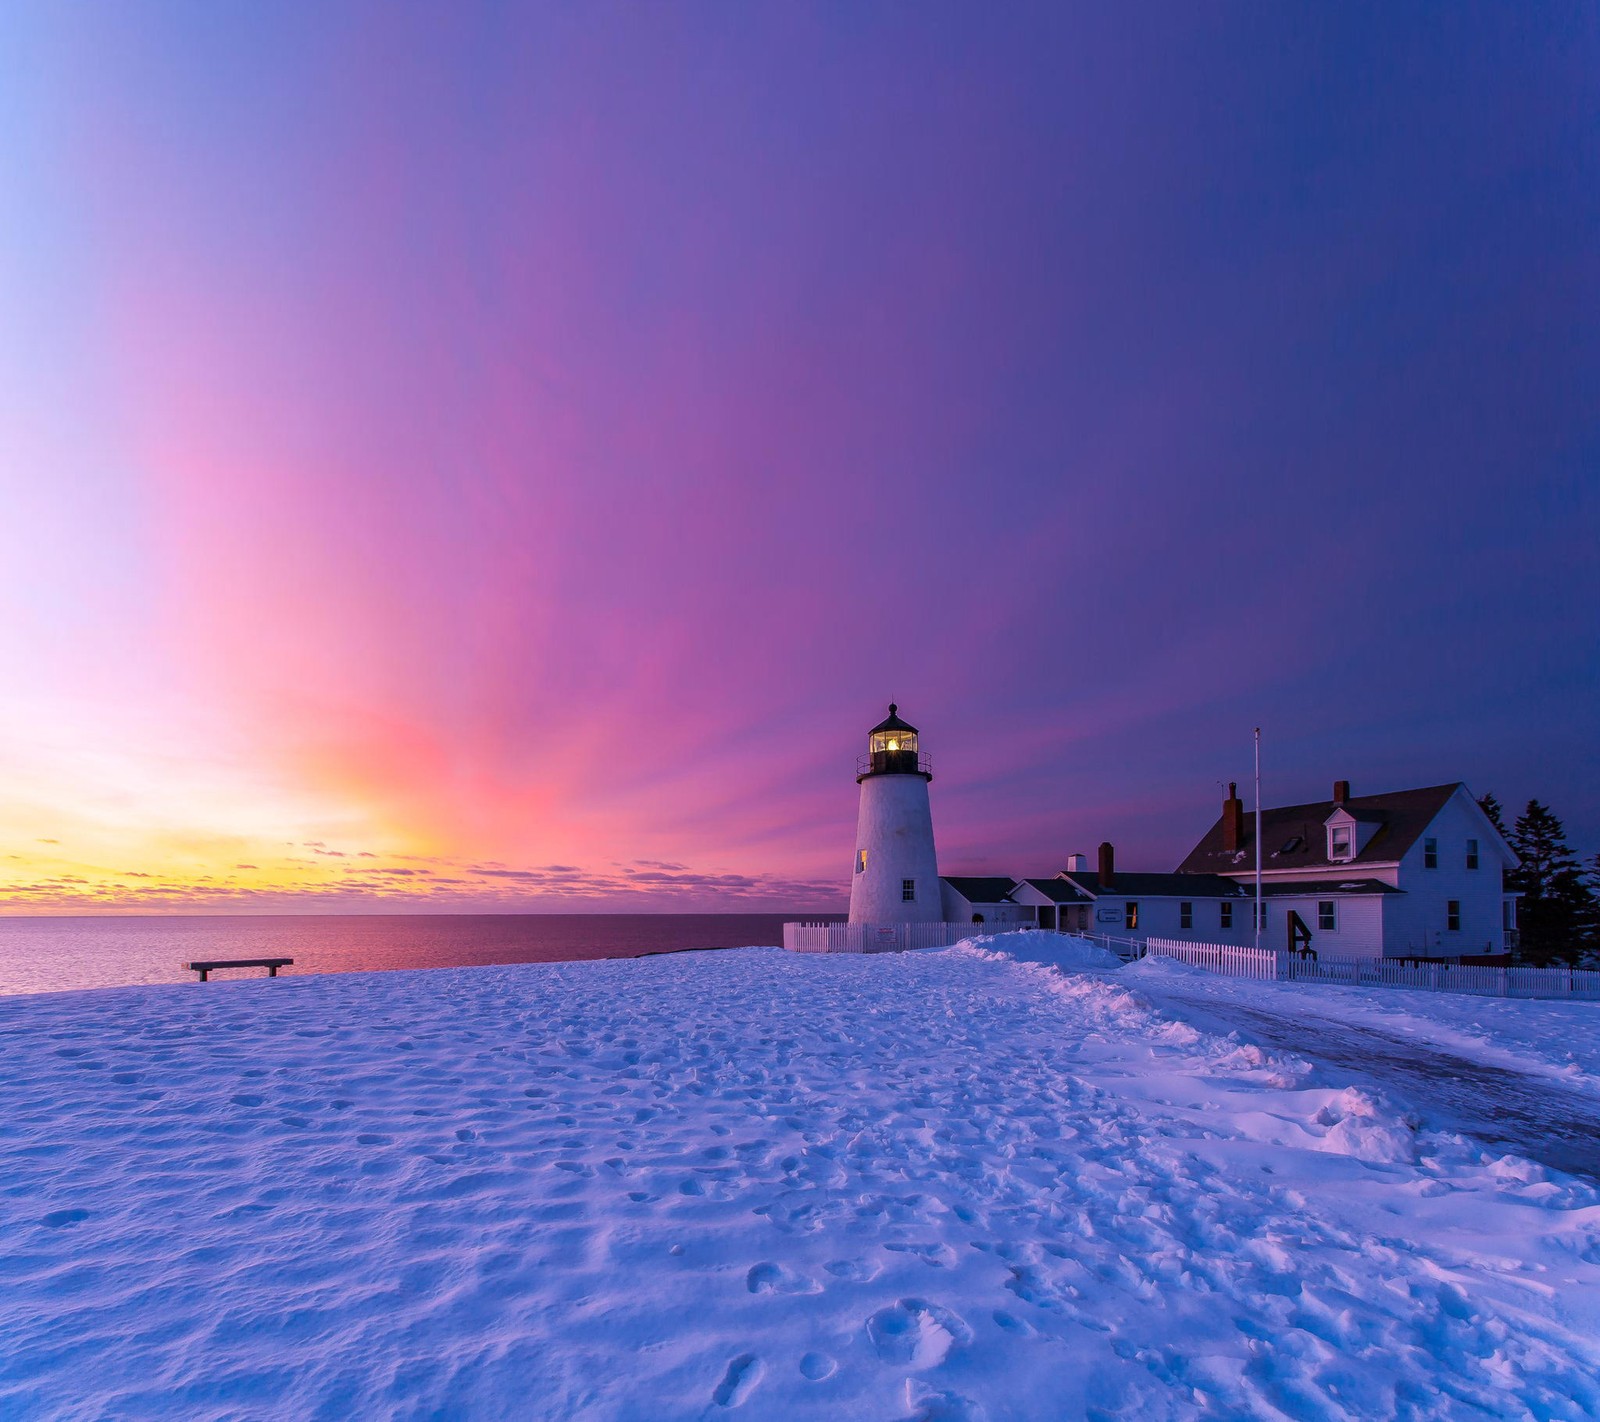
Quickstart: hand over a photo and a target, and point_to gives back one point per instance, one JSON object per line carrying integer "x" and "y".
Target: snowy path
{"x": 1516, "y": 1104}
{"x": 933, "y": 1185}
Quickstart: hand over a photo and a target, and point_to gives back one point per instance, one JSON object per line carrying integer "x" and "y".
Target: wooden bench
{"x": 270, "y": 964}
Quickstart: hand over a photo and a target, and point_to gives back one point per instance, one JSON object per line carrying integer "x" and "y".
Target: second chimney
{"x": 1107, "y": 865}
{"x": 1077, "y": 863}
{"x": 1341, "y": 791}
{"x": 1232, "y": 821}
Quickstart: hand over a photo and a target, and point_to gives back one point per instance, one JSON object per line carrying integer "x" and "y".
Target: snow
{"x": 1521, "y": 1074}
{"x": 947, "y": 1184}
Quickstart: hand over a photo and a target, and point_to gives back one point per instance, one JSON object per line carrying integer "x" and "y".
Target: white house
{"x": 1411, "y": 873}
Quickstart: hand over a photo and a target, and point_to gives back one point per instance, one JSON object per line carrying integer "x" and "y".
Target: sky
{"x": 506, "y": 457}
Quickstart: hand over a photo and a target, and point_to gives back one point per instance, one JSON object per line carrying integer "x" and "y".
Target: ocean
{"x": 59, "y": 954}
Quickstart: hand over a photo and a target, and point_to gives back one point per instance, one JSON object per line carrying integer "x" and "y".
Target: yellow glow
{"x": 894, "y": 745}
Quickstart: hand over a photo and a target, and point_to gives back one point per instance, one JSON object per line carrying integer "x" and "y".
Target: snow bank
{"x": 746, "y": 1183}
{"x": 1057, "y": 950}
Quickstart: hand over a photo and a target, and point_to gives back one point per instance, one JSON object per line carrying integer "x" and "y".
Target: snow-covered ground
{"x": 941, "y": 1185}
{"x": 1521, "y": 1074}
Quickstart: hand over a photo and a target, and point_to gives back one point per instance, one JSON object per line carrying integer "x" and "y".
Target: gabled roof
{"x": 1155, "y": 886}
{"x": 1061, "y": 891}
{"x": 991, "y": 890}
{"x": 1401, "y": 816}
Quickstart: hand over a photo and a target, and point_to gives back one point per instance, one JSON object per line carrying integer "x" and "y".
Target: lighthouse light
{"x": 894, "y": 745}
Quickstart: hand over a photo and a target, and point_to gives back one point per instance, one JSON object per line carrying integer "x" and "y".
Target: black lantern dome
{"x": 892, "y": 749}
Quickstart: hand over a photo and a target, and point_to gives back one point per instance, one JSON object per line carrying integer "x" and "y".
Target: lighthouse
{"x": 896, "y": 878}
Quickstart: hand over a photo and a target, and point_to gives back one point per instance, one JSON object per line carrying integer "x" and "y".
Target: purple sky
{"x": 540, "y": 441}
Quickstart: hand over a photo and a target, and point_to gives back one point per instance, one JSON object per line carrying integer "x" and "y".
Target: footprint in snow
{"x": 914, "y": 1333}
{"x": 742, "y": 1375}
{"x": 57, "y": 1219}
{"x": 816, "y": 1366}
{"x": 768, "y": 1278}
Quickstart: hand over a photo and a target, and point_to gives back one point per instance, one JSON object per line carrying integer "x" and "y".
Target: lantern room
{"x": 892, "y": 749}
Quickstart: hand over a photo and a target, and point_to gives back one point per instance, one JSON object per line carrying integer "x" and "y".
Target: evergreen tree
{"x": 1556, "y": 912}
{"x": 1491, "y": 807}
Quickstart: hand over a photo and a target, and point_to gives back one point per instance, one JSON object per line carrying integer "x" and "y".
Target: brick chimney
{"x": 1232, "y": 821}
{"x": 1108, "y": 870}
{"x": 1341, "y": 791}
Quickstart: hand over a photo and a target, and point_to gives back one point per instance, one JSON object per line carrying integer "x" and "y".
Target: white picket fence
{"x": 1280, "y": 966}
{"x": 1221, "y": 958}
{"x": 884, "y": 937}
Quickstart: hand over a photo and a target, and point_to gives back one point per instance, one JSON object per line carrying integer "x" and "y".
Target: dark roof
{"x": 1061, "y": 891}
{"x": 1157, "y": 886}
{"x": 1401, "y": 817}
{"x": 1320, "y": 888}
{"x": 981, "y": 890}
{"x": 893, "y": 723}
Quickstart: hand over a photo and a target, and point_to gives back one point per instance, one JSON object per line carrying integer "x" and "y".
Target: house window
{"x": 1326, "y": 920}
{"x": 1430, "y": 854}
{"x": 1185, "y": 915}
{"x": 908, "y": 891}
{"x": 1339, "y": 842}
{"x": 1131, "y": 915}
{"x": 1261, "y": 916}
{"x": 1472, "y": 854}
{"x": 1226, "y": 912}
{"x": 1508, "y": 914}
{"x": 1452, "y": 915}
{"x": 861, "y": 861}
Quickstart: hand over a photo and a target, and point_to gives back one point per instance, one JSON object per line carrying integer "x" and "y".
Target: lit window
{"x": 861, "y": 861}
{"x": 908, "y": 891}
{"x": 1472, "y": 854}
{"x": 1185, "y": 915}
{"x": 1430, "y": 854}
{"x": 1452, "y": 915}
{"x": 1339, "y": 842}
{"x": 1131, "y": 915}
{"x": 1326, "y": 922}
{"x": 1226, "y": 910}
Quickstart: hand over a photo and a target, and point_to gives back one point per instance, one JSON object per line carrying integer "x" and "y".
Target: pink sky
{"x": 510, "y": 463}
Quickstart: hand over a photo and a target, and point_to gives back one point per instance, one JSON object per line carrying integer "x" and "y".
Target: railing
{"x": 1125, "y": 948}
{"x": 885, "y": 937}
{"x": 1582, "y": 983}
{"x": 904, "y": 762}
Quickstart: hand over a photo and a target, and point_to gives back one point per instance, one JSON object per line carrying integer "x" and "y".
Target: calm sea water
{"x": 56, "y": 954}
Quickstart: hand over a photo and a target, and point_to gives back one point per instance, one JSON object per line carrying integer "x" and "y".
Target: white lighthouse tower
{"x": 896, "y": 877}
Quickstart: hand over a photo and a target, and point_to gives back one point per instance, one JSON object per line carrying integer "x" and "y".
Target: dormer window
{"x": 1340, "y": 842}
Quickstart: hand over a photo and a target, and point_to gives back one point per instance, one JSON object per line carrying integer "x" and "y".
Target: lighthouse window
{"x": 908, "y": 891}
{"x": 1131, "y": 915}
{"x": 861, "y": 861}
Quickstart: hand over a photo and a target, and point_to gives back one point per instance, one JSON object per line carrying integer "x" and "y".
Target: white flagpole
{"x": 1258, "y": 836}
